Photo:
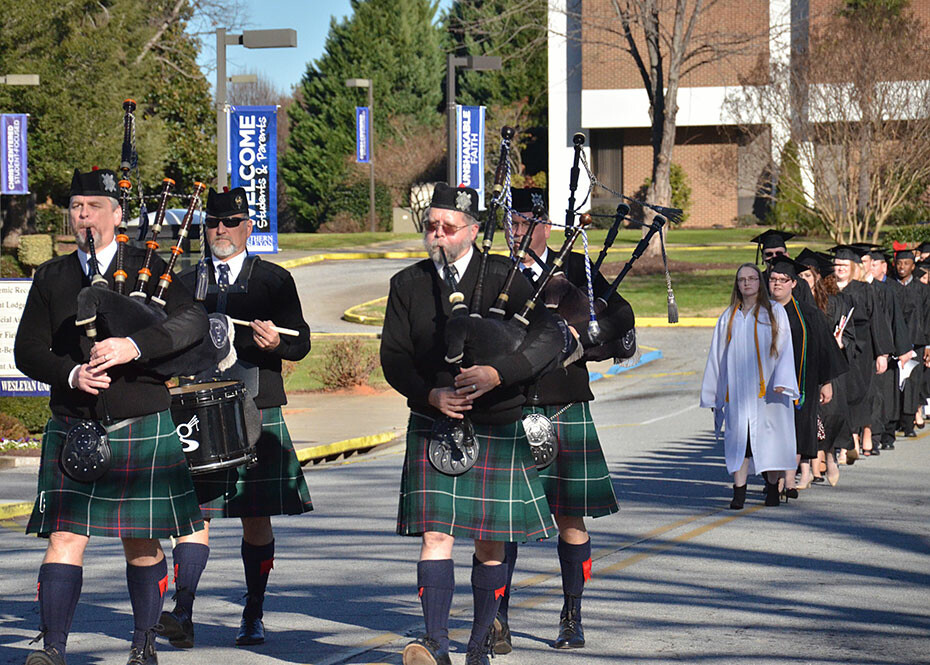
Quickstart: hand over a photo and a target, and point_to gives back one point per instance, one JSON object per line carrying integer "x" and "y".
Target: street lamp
{"x": 283, "y": 38}
{"x": 19, "y": 79}
{"x": 367, "y": 83}
{"x": 479, "y": 63}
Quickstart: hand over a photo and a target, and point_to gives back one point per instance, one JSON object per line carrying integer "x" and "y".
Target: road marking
{"x": 670, "y": 415}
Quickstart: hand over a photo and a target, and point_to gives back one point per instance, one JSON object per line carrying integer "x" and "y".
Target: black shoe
{"x": 790, "y": 493}
{"x": 425, "y": 651}
{"x": 46, "y": 656}
{"x": 818, "y": 479}
{"x": 739, "y": 498}
{"x": 251, "y": 629}
{"x": 571, "y": 633}
{"x": 876, "y": 450}
{"x": 772, "y": 496}
{"x": 503, "y": 643}
{"x": 146, "y": 655}
{"x": 178, "y": 627}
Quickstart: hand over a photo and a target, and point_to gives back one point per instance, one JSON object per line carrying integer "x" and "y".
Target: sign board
{"x": 13, "y": 175}
{"x": 362, "y": 134}
{"x": 254, "y": 166}
{"x": 469, "y": 149}
{"x": 14, "y": 383}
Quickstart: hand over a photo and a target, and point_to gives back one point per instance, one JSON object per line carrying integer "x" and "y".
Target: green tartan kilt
{"x": 147, "y": 493}
{"x": 274, "y": 486}
{"x": 577, "y": 483}
{"x": 499, "y": 498}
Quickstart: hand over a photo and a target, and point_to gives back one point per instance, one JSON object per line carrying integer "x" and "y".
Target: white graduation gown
{"x": 768, "y": 421}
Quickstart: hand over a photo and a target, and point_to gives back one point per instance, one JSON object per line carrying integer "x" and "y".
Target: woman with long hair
{"x": 750, "y": 383}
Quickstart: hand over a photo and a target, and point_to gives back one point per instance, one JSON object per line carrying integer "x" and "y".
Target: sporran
{"x": 85, "y": 455}
{"x": 453, "y": 448}
{"x": 540, "y": 433}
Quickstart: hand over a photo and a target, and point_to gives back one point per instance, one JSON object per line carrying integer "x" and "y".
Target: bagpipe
{"x": 104, "y": 313}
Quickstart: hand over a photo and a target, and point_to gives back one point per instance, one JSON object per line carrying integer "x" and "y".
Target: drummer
{"x": 243, "y": 286}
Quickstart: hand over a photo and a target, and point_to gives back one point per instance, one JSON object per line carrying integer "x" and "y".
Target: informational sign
{"x": 362, "y": 134}
{"x": 469, "y": 150}
{"x": 13, "y": 176}
{"x": 254, "y": 167}
{"x": 14, "y": 383}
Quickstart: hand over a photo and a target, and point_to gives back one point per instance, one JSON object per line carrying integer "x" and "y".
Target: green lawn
{"x": 311, "y": 241}
{"x": 306, "y": 374}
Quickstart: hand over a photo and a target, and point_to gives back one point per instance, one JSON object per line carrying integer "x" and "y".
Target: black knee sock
{"x": 575, "y": 561}
{"x": 510, "y": 560}
{"x": 59, "y": 591}
{"x": 258, "y": 560}
{"x": 488, "y": 584}
{"x": 189, "y": 561}
{"x": 147, "y": 586}
{"x": 436, "y": 584}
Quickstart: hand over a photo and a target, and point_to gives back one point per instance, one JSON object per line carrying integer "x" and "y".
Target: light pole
{"x": 283, "y": 38}
{"x": 367, "y": 83}
{"x": 479, "y": 63}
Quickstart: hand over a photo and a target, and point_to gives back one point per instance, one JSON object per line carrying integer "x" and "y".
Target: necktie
{"x": 528, "y": 273}
{"x": 223, "y": 280}
{"x": 453, "y": 273}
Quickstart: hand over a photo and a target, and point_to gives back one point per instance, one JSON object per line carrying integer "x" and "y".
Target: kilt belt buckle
{"x": 540, "y": 434}
{"x": 86, "y": 455}
{"x": 453, "y": 448}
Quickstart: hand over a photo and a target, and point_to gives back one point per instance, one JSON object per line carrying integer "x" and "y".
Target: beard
{"x": 223, "y": 249}
{"x": 80, "y": 237}
{"x": 455, "y": 249}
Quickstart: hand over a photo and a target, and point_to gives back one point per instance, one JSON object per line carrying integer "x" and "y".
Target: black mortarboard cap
{"x": 924, "y": 246}
{"x": 786, "y": 266}
{"x": 524, "y": 200}
{"x": 462, "y": 199}
{"x": 918, "y": 272}
{"x": 848, "y": 253}
{"x": 904, "y": 254}
{"x": 879, "y": 255}
{"x": 99, "y": 182}
{"x": 866, "y": 245}
{"x": 227, "y": 204}
{"x": 773, "y": 238}
{"x": 819, "y": 262}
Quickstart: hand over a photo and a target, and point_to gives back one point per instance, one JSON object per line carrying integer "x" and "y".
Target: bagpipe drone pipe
{"x": 104, "y": 313}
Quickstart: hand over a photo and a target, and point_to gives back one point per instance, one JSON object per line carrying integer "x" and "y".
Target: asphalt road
{"x": 839, "y": 576}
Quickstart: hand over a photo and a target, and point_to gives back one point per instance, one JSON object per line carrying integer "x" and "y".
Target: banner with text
{"x": 253, "y": 140}
{"x": 13, "y": 176}
{"x": 362, "y": 134}
{"x": 469, "y": 149}
{"x": 14, "y": 383}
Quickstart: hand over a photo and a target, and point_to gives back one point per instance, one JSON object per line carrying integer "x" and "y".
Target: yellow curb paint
{"x": 351, "y": 315}
{"x": 339, "y": 447}
{"x": 12, "y": 526}
{"x": 683, "y": 322}
{"x": 12, "y": 510}
{"x": 372, "y": 335}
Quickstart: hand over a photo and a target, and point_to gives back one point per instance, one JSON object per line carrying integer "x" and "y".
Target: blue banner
{"x": 362, "y": 134}
{"x": 253, "y": 140}
{"x": 469, "y": 149}
{"x": 13, "y": 175}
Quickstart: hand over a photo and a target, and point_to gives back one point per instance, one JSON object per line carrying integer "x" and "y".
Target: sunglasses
{"x": 447, "y": 229}
{"x": 228, "y": 222}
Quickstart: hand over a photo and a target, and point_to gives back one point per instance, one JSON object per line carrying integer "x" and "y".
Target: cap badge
{"x": 537, "y": 199}
{"x": 109, "y": 183}
{"x": 238, "y": 201}
{"x": 463, "y": 201}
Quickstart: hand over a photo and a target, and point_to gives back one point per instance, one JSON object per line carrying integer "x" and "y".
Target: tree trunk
{"x": 19, "y": 215}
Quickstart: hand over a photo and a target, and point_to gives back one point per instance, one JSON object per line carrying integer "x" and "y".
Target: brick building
{"x": 595, "y": 87}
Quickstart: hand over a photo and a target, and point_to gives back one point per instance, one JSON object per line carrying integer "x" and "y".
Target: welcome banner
{"x": 253, "y": 138}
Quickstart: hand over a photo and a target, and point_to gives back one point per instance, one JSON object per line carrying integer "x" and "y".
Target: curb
{"x": 351, "y": 316}
{"x": 317, "y": 453}
{"x": 349, "y": 256}
{"x": 10, "y": 511}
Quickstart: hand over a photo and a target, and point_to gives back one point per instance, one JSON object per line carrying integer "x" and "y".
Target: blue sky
{"x": 284, "y": 67}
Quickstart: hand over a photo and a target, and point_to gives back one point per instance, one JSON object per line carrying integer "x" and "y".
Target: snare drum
{"x": 210, "y": 420}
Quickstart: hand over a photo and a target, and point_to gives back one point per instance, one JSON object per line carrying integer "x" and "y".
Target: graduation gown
{"x": 731, "y": 386}
{"x": 834, "y": 415}
{"x": 818, "y": 360}
{"x": 886, "y": 398}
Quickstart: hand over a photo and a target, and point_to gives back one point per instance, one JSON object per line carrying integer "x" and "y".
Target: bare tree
{"x": 864, "y": 142}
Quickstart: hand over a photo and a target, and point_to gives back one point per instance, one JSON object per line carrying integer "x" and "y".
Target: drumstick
{"x": 280, "y": 331}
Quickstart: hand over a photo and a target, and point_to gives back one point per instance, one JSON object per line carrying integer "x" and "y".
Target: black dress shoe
{"x": 772, "y": 496}
{"x": 571, "y": 633}
{"x": 739, "y": 498}
{"x": 46, "y": 656}
{"x": 910, "y": 434}
{"x": 425, "y": 651}
{"x": 146, "y": 655}
{"x": 178, "y": 627}
{"x": 476, "y": 657}
{"x": 251, "y": 632}
{"x": 817, "y": 479}
{"x": 502, "y": 643}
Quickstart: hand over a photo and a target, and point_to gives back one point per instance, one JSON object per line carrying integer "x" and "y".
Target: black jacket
{"x": 49, "y": 344}
{"x": 268, "y": 294}
{"x": 570, "y": 384}
{"x": 413, "y": 345}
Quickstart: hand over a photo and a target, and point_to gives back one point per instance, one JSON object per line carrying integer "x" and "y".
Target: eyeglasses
{"x": 772, "y": 254}
{"x": 228, "y": 222}
{"x": 447, "y": 229}
{"x": 746, "y": 280}
{"x": 779, "y": 280}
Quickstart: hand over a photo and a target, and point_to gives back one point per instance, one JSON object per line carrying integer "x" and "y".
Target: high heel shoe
{"x": 790, "y": 493}
{"x": 739, "y": 498}
{"x": 834, "y": 479}
{"x": 804, "y": 486}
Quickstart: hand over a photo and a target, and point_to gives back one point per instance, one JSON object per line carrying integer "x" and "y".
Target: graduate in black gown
{"x": 817, "y": 358}
{"x": 873, "y": 338}
{"x": 916, "y": 304}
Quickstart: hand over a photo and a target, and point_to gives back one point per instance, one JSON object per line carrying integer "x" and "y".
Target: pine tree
{"x": 396, "y": 44}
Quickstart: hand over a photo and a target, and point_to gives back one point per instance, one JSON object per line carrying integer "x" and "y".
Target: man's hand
{"x": 449, "y": 402}
{"x": 476, "y": 381}
{"x": 826, "y": 393}
{"x": 111, "y": 352}
{"x": 91, "y": 380}
{"x": 881, "y": 364}
{"x": 927, "y": 356}
{"x": 902, "y": 359}
{"x": 266, "y": 338}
